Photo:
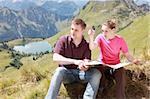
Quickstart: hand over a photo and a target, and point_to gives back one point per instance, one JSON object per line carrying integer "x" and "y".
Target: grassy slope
{"x": 24, "y": 81}
{"x": 137, "y": 34}
{"x": 4, "y": 58}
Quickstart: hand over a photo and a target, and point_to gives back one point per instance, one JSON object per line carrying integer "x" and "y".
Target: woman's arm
{"x": 132, "y": 59}
{"x": 92, "y": 44}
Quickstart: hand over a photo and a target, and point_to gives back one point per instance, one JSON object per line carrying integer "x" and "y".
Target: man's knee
{"x": 60, "y": 71}
{"x": 96, "y": 75}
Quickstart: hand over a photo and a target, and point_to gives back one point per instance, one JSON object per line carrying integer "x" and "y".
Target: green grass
{"x": 29, "y": 79}
{"x": 137, "y": 34}
{"x": 4, "y": 58}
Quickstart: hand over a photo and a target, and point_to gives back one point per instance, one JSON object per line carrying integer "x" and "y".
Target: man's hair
{"x": 79, "y": 22}
{"x": 110, "y": 24}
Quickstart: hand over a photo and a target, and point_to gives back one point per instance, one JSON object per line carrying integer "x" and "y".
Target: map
{"x": 99, "y": 63}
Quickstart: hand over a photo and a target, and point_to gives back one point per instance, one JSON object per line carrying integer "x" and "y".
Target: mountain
{"x": 46, "y": 19}
{"x": 24, "y": 4}
{"x": 64, "y": 8}
{"x": 81, "y": 3}
{"x": 96, "y": 12}
{"x": 35, "y": 22}
{"x": 137, "y": 7}
{"x": 141, "y": 2}
{"x": 17, "y": 4}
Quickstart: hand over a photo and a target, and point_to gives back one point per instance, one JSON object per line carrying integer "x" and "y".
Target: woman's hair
{"x": 79, "y": 22}
{"x": 110, "y": 24}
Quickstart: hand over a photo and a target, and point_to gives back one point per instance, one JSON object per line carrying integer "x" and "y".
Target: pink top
{"x": 110, "y": 49}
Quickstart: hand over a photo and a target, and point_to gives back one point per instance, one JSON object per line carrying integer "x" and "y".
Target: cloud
{"x": 14, "y": 1}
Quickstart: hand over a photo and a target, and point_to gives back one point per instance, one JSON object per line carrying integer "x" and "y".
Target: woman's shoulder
{"x": 118, "y": 36}
{"x": 99, "y": 35}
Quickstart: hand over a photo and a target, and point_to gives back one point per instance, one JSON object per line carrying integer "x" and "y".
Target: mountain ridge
{"x": 34, "y": 22}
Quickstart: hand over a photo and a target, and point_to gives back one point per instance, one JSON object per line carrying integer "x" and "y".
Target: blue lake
{"x": 34, "y": 47}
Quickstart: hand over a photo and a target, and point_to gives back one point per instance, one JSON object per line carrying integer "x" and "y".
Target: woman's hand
{"x": 91, "y": 33}
{"x": 132, "y": 59}
{"x": 137, "y": 62}
{"x": 92, "y": 45}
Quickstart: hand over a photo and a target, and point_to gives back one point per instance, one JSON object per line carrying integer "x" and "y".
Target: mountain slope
{"x": 137, "y": 34}
{"x": 34, "y": 22}
{"x": 40, "y": 21}
{"x": 64, "y": 8}
{"x": 97, "y": 12}
{"x": 17, "y": 5}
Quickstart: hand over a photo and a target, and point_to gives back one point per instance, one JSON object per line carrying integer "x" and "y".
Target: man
{"x": 71, "y": 52}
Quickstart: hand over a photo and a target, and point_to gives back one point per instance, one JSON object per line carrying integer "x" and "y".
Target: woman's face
{"x": 106, "y": 30}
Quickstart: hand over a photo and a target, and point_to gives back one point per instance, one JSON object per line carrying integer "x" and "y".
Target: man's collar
{"x": 82, "y": 41}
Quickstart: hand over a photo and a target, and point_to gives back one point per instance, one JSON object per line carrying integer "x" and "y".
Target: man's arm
{"x": 65, "y": 61}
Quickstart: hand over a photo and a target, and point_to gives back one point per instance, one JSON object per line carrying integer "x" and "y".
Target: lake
{"x": 34, "y": 48}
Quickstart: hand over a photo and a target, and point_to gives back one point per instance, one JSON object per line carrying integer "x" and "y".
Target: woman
{"x": 110, "y": 45}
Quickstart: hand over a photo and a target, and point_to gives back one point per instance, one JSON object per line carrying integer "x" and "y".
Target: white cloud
{"x": 14, "y": 1}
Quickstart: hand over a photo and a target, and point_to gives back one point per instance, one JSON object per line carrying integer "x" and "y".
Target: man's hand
{"x": 83, "y": 66}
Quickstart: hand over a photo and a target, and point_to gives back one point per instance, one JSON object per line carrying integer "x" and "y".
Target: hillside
{"x": 96, "y": 12}
{"x": 137, "y": 34}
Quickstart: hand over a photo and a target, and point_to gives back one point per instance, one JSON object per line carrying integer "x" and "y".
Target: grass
{"x": 138, "y": 32}
{"x": 5, "y": 58}
{"x": 31, "y": 77}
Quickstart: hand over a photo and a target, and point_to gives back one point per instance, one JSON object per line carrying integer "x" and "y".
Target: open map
{"x": 99, "y": 63}
{"x": 119, "y": 65}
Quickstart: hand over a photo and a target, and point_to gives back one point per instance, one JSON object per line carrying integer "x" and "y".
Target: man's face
{"x": 76, "y": 31}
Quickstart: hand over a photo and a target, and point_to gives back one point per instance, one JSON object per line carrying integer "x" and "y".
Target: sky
{"x": 42, "y": 1}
